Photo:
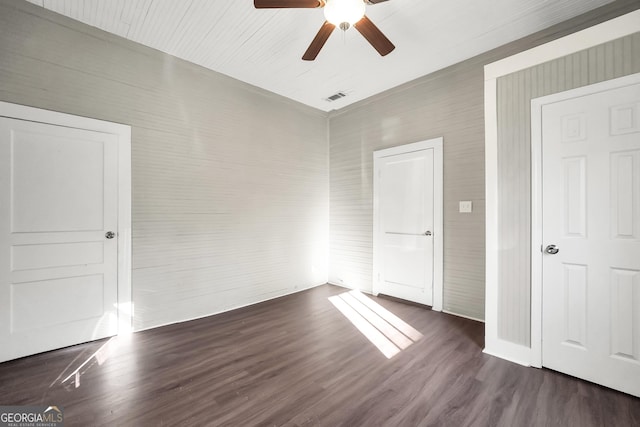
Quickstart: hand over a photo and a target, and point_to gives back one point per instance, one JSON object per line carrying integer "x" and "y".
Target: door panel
{"x": 401, "y": 255}
{"x": 58, "y": 272}
{"x": 56, "y": 182}
{"x": 591, "y": 211}
{"x": 30, "y": 299}
{"x": 575, "y": 297}
{"x": 625, "y": 195}
{"x": 405, "y": 189}
{"x": 36, "y": 256}
{"x": 625, "y": 318}
{"x": 575, "y": 214}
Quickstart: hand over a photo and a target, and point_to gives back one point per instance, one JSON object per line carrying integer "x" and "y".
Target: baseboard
{"x": 512, "y": 352}
{"x": 463, "y": 316}
{"x": 294, "y": 291}
{"x": 344, "y": 286}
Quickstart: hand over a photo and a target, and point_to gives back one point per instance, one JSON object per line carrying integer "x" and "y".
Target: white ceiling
{"x": 264, "y": 47}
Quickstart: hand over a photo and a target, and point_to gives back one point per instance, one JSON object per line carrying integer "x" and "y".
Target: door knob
{"x": 110, "y": 235}
{"x": 551, "y": 249}
{"x": 427, "y": 233}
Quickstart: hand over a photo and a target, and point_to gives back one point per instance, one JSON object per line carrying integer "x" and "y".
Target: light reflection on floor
{"x": 385, "y": 330}
{"x": 71, "y": 375}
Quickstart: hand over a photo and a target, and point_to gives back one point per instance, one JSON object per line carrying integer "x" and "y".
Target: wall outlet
{"x": 466, "y": 206}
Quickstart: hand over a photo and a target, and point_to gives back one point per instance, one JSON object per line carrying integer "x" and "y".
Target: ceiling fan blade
{"x": 379, "y": 41}
{"x": 374, "y": 1}
{"x": 287, "y": 4}
{"x": 318, "y": 41}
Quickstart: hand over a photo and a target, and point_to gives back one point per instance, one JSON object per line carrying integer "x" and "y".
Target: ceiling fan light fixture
{"x": 339, "y": 12}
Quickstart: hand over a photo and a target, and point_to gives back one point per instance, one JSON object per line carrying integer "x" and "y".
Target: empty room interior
{"x": 320, "y": 213}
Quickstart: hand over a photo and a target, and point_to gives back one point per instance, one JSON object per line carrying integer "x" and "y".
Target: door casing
{"x": 123, "y": 135}
{"x": 536, "y": 198}
{"x": 438, "y": 228}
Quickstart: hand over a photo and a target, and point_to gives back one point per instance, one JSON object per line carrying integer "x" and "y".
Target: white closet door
{"x": 58, "y": 240}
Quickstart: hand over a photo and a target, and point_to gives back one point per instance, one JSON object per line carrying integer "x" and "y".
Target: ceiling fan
{"x": 340, "y": 13}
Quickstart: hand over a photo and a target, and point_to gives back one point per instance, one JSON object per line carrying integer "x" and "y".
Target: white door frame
{"x": 584, "y": 39}
{"x": 123, "y": 134}
{"x": 438, "y": 228}
{"x": 536, "y": 198}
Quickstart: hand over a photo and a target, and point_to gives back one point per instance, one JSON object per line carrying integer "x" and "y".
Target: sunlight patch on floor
{"x": 98, "y": 357}
{"x": 385, "y": 330}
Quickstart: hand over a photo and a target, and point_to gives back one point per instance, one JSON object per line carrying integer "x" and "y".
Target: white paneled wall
{"x": 230, "y": 182}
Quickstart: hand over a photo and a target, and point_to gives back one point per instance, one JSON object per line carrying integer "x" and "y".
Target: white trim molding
{"x": 123, "y": 134}
{"x": 585, "y": 39}
{"x": 438, "y": 206}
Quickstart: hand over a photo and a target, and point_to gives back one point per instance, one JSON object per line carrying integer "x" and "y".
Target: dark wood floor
{"x": 297, "y": 361}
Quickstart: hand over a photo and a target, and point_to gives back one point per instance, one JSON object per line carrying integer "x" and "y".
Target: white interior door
{"x": 58, "y": 268}
{"x": 591, "y": 213}
{"x": 406, "y": 215}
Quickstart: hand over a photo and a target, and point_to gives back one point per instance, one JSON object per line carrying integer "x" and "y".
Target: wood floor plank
{"x": 297, "y": 361}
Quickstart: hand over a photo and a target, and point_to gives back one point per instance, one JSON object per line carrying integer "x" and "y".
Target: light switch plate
{"x": 466, "y": 206}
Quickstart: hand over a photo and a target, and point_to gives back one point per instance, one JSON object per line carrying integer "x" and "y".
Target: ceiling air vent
{"x": 335, "y": 96}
